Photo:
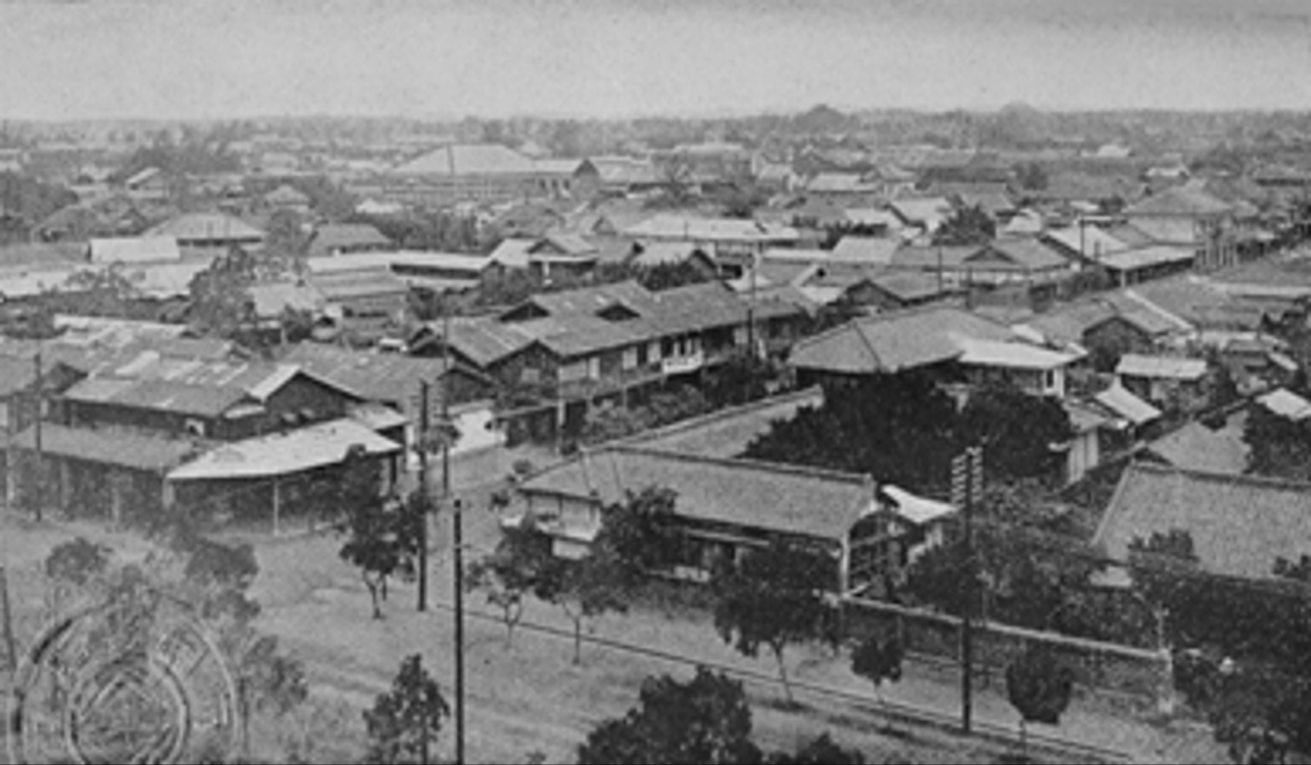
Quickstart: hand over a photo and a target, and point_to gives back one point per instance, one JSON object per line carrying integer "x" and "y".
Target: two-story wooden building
{"x": 557, "y": 354}
{"x": 159, "y": 434}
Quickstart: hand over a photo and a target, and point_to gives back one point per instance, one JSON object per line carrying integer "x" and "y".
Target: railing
{"x": 673, "y": 365}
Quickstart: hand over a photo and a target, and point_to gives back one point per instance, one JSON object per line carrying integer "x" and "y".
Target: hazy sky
{"x": 227, "y": 58}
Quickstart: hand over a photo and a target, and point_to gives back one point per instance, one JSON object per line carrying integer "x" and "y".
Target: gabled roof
{"x": 1161, "y": 367}
{"x": 512, "y": 253}
{"x": 194, "y": 227}
{"x": 929, "y": 211}
{"x": 1239, "y": 524}
{"x": 1011, "y": 355}
{"x": 895, "y": 342}
{"x": 910, "y": 285}
{"x": 778, "y": 498}
{"x": 158, "y": 395}
{"x": 1127, "y": 405}
{"x": 865, "y": 250}
{"x": 930, "y": 257}
{"x": 341, "y": 236}
{"x": 387, "y": 377}
{"x": 1186, "y": 200}
{"x": 469, "y": 159}
{"x": 1197, "y": 447}
{"x": 667, "y": 253}
{"x": 563, "y": 244}
{"x": 1024, "y": 252}
{"x": 1089, "y": 241}
{"x": 1287, "y": 404}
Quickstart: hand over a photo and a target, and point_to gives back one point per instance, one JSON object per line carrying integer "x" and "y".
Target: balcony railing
{"x": 673, "y": 365}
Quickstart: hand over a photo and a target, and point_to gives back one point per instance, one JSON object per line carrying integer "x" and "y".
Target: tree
{"x": 877, "y": 660}
{"x": 967, "y": 226}
{"x": 639, "y": 533}
{"x": 667, "y": 276}
{"x": 774, "y": 597}
{"x": 1278, "y": 446}
{"x": 383, "y": 541}
{"x": 584, "y": 589}
{"x": 822, "y": 750}
{"x": 739, "y": 380}
{"x": 705, "y": 720}
{"x": 1040, "y": 688}
{"x": 510, "y": 572}
{"x": 901, "y": 428}
{"x": 1023, "y": 436}
{"x": 404, "y": 723}
{"x": 613, "y": 422}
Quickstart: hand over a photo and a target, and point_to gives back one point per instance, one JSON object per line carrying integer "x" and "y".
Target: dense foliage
{"x": 405, "y": 722}
{"x": 774, "y": 597}
{"x": 904, "y": 430}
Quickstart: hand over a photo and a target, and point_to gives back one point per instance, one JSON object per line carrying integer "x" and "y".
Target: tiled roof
{"x": 867, "y": 250}
{"x": 1239, "y": 524}
{"x": 1183, "y": 200}
{"x": 744, "y": 493}
{"x": 1197, "y": 447}
{"x": 333, "y": 236}
{"x": 910, "y": 285}
{"x": 1090, "y": 241}
{"x": 923, "y": 257}
{"x": 206, "y": 227}
{"x": 929, "y": 211}
{"x": 726, "y": 433}
{"x": 1026, "y": 253}
{"x": 895, "y": 342}
{"x": 284, "y": 453}
{"x": 512, "y": 252}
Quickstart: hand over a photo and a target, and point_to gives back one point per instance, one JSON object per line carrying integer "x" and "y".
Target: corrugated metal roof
{"x": 1127, "y": 405}
{"x": 285, "y": 453}
{"x": 1160, "y": 367}
{"x": 111, "y": 447}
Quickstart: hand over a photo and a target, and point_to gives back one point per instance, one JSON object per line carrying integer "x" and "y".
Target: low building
{"x": 208, "y": 230}
{"x": 1240, "y": 526}
{"x": 1167, "y": 381}
{"x": 726, "y": 507}
{"x": 346, "y": 238}
{"x": 945, "y": 341}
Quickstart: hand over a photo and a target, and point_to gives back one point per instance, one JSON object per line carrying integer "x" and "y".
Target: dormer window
{"x": 194, "y": 427}
{"x": 617, "y": 312}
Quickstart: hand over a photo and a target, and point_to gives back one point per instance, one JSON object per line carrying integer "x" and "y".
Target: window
{"x": 629, "y": 359}
{"x": 1049, "y": 379}
{"x": 195, "y": 427}
{"x": 4, "y": 416}
{"x": 656, "y": 347}
{"x": 594, "y": 368}
{"x": 642, "y": 355}
{"x": 572, "y": 372}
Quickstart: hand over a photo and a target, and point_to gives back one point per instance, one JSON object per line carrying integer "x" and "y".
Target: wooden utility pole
{"x": 11, "y": 649}
{"x": 966, "y": 491}
{"x": 423, "y": 432}
{"x": 39, "y": 396}
{"x": 458, "y": 540}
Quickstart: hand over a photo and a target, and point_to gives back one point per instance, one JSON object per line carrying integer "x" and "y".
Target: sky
{"x": 190, "y": 59}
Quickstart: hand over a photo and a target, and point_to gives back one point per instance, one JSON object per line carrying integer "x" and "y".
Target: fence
{"x": 1108, "y": 675}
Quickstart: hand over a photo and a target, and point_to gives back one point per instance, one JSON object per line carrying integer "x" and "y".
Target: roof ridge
{"x": 778, "y": 467}
{"x": 1242, "y": 478}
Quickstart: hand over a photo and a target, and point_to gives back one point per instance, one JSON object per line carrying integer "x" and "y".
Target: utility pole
{"x": 39, "y": 395}
{"x": 966, "y": 491}
{"x": 11, "y": 650}
{"x": 458, "y": 539}
{"x": 424, "y": 429}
